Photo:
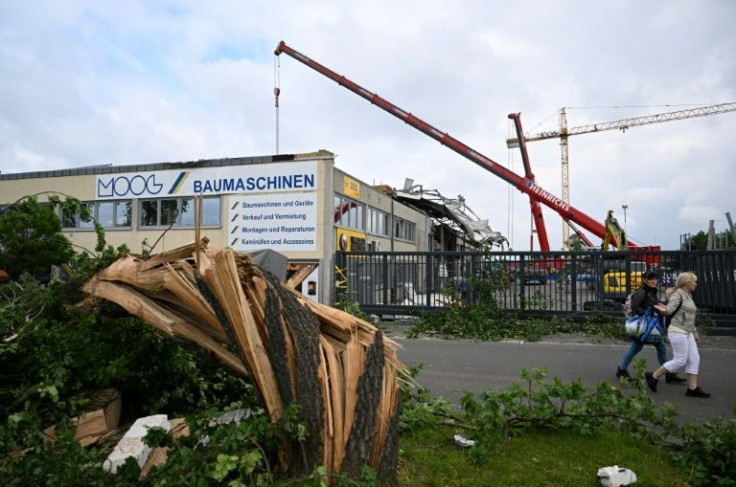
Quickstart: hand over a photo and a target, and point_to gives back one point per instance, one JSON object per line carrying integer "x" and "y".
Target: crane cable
{"x": 276, "y": 93}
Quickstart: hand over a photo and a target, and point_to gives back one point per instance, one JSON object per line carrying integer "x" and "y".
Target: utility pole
{"x": 711, "y": 235}
{"x": 731, "y": 228}
{"x": 625, "y": 207}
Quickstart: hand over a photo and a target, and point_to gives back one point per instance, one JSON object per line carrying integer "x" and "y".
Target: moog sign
{"x": 126, "y": 186}
{"x": 255, "y": 178}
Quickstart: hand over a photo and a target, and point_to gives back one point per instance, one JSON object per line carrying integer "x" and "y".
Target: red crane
{"x": 622, "y": 125}
{"x": 533, "y": 202}
{"x": 524, "y": 184}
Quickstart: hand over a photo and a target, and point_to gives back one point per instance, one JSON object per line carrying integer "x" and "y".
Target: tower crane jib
{"x": 563, "y": 133}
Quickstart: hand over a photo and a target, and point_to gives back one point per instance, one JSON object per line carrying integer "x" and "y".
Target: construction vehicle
{"x": 524, "y": 184}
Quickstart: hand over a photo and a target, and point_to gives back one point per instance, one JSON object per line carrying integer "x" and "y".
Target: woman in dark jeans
{"x": 644, "y": 297}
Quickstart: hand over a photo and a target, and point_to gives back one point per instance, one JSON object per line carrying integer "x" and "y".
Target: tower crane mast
{"x": 563, "y": 133}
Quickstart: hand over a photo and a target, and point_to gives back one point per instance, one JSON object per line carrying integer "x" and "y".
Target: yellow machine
{"x": 615, "y": 235}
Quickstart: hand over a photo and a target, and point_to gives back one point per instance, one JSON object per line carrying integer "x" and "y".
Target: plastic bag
{"x": 647, "y": 328}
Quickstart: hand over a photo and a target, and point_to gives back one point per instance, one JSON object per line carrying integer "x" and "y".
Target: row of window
{"x": 350, "y": 214}
{"x": 175, "y": 212}
{"x": 179, "y": 212}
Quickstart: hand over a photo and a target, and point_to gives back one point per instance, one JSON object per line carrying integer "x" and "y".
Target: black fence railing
{"x": 532, "y": 283}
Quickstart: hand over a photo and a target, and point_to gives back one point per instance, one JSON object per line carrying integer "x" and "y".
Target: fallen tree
{"x": 340, "y": 370}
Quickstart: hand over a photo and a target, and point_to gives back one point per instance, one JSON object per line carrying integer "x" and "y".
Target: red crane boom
{"x": 533, "y": 203}
{"x": 525, "y": 185}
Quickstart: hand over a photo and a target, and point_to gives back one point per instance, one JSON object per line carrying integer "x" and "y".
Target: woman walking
{"x": 644, "y": 297}
{"x": 682, "y": 335}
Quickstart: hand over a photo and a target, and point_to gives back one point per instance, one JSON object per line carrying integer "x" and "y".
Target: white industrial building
{"x": 300, "y": 205}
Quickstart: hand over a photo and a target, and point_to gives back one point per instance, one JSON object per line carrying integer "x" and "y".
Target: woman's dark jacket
{"x": 643, "y": 298}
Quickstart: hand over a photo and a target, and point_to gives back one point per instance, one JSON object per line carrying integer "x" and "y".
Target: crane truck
{"x": 525, "y": 184}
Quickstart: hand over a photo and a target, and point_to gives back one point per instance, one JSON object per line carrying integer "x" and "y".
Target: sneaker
{"x": 622, "y": 373}
{"x": 697, "y": 392}
{"x": 672, "y": 378}
{"x": 651, "y": 381}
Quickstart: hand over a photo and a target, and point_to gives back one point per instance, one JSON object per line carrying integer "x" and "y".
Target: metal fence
{"x": 574, "y": 284}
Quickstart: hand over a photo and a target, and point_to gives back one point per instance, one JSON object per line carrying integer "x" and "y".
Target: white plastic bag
{"x": 615, "y": 476}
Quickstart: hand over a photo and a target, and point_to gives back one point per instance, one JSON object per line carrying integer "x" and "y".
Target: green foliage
{"x": 484, "y": 319}
{"x": 557, "y": 405}
{"x": 241, "y": 453}
{"x": 575, "y": 243}
{"x": 537, "y": 458}
{"x": 479, "y": 323}
{"x": 52, "y": 357}
{"x": 31, "y": 239}
{"x": 705, "y": 453}
{"x": 347, "y": 301}
{"x": 699, "y": 241}
{"x": 709, "y": 452}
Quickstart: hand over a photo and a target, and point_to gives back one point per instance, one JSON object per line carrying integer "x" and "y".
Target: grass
{"x": 429, "y": 457}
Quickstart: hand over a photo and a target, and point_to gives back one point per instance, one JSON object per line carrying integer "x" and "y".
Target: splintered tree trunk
{"x": 340, "y": 370}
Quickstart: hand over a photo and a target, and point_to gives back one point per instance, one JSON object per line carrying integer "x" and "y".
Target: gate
{"x": 570, "y": 284}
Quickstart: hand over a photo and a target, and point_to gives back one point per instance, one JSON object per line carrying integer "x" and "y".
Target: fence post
{"x": 384, "y": 273}
{"x": 574, "y": 281}
{"x": 429, "y": 274}
{"x": 522, "y": 285}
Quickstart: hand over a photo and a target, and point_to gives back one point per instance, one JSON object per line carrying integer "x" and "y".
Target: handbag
{"x": 647, "y": 327}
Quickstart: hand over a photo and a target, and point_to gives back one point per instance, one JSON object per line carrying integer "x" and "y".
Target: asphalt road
{"x": 453, "y": 367}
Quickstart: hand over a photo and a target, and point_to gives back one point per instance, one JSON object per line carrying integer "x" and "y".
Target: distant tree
{"x": 575, "y": 243}
{"x": 725, "y": 240}
{"x": 31, "y": 239}
{"x": 699, "y": 241}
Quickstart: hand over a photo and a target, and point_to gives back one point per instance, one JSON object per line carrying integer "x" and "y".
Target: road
{"x": 453, "y": 367}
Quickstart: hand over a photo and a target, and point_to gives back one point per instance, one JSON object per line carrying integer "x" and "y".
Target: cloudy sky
{"x": 136, "y": 82}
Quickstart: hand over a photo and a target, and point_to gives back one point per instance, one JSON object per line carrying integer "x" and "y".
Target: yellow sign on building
{"x": 351, "y": 187}
{"x": 350, "y": 240}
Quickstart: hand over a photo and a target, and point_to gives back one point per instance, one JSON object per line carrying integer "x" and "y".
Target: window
{"x": 114, "y": 214}
{"x": 178, "y": 212}
{"x": 69, "y": 220}
{"x": 109, "y": 214}
{"x": 378, "y": 222}
{"x": 404, "y": 230}
{"x": 349, "y": 213}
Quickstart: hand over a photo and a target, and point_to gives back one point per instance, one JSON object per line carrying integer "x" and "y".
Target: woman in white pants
{"x": 682, "y": 335}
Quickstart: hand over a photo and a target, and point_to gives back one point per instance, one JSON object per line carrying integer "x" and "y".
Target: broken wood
{"x": 340, "y": 370}
{"x": 94, "y": 425}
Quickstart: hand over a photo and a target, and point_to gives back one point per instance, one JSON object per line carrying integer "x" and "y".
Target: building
{"x": 299, "y": 205}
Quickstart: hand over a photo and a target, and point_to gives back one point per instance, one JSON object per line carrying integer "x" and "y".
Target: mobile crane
{"x": 526, "y": 184}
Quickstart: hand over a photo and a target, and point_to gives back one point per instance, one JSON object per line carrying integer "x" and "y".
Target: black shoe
{"x": 697, "y": 392}
{"x": 651, "y": 381}
{"x": 622, "y": 373}
{"x": 672, "y": 378}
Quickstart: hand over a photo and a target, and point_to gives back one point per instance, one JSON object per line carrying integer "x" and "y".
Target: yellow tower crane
{"x": 623, "y": 124}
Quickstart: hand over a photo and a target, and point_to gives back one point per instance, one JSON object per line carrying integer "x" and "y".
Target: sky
{"x": 100, "y": 82}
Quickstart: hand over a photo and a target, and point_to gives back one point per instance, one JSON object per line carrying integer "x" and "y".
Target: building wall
{"x": 297, "y": 221}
